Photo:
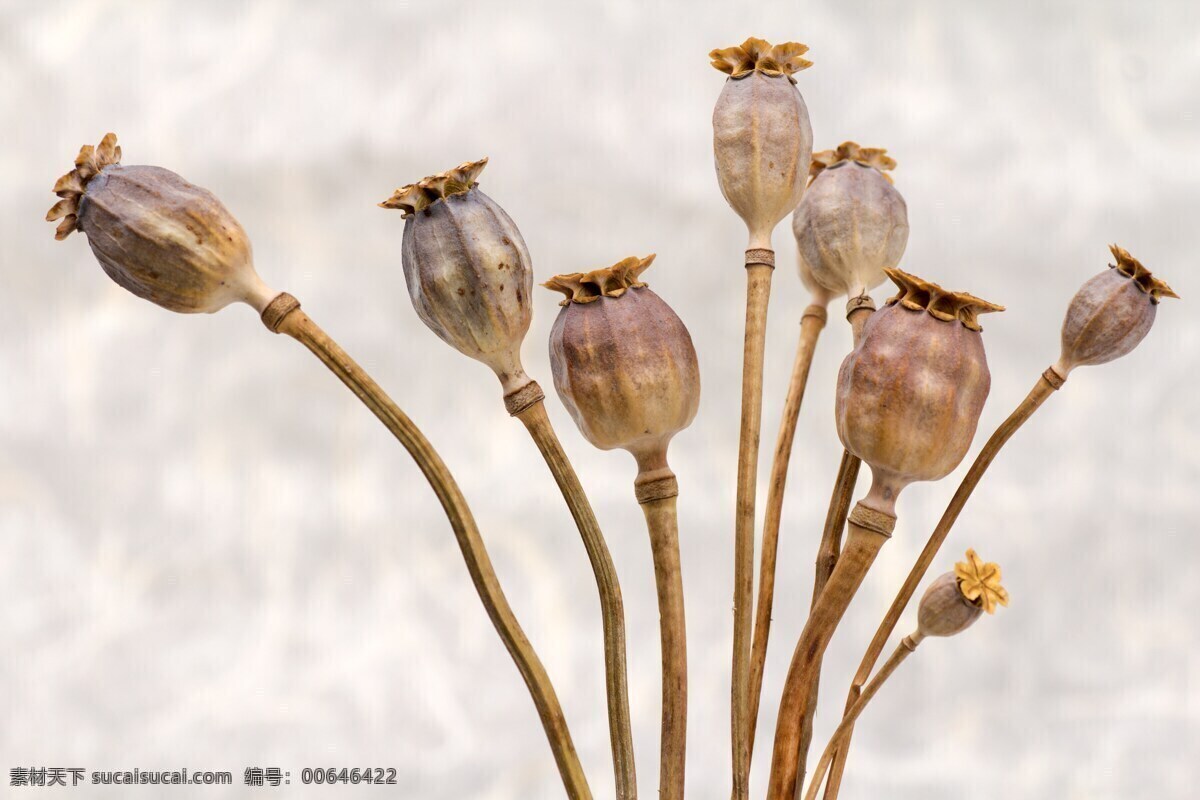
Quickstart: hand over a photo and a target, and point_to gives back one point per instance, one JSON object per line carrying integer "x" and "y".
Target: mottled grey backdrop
{"x": 215, "y": 559}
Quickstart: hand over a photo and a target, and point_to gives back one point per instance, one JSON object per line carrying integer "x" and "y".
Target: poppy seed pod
{"x": 623, "y": 362}
{"x": 956, "y": 599}
{"x": 910, "y": 393}
{"x": 1111, "y": 313}
{"x": 852, "y": 223}
{"x": 467, "y": 269}
{"x": 762, "y": 137}
{"x": 162, "y": 238}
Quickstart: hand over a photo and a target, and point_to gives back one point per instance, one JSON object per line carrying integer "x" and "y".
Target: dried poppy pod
{"x": 624, "y": 364}
{"x": 762, "y": 137}
{"x": 852, "y": 223}
{"x": 1110, "y": 314}
{"x": 467, "y": 269}
{"x": 910, "y": 393}
{"x": 162, "y": 238}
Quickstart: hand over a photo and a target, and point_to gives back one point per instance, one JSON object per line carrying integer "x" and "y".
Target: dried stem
{"x": 657, "y": 492}
{"x": 1046, "y": 386}
{"x": 868, "y": 529}
{"x": 611, "y": 607}
{"x": 283, "y": 315}
{"x": 759, "y": 265}
{"x": 907, "y": 645}
{"x": 810, "y": 330}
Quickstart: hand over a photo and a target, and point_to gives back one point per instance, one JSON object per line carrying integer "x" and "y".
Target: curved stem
{"x": 758, "y": 292}
{"x": 611, "y": 607}
{"x": 908, "y": 645}
{"x": 810, "y": 329}
{"x": 283, "y": 315}
{"x": 862, "y": 546}
{"x": 1047, "y": 384}
{"x": 663, "y": 525}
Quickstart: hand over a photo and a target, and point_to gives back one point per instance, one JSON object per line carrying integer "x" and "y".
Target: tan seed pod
{"x": 468, "y": 271}
{"x": 1111, "y": 313}
{"x": 944, "y": 611}
{"x": 762, "y": 137}
{"x": 162, "y": 238}
{"x": 852, "y": 223}
{"x": 623, "y": 362}
{"x": 910, "y": 394}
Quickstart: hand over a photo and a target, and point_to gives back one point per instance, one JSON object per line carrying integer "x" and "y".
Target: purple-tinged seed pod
{"x": 956, "y": 599}
{"x": 468, "y": 271}
{"x": 164, "y": 239}
{"x": 1111, "y": 313}
{"x": 852, "y": 223}
{"x": 910, "y": 394}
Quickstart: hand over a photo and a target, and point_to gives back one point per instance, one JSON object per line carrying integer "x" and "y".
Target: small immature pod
{"x": 623, "y": 362}
{"x": 910, "y": 394}
{"x": 1111, "y": 313}
{"x": 762, "y": 137}
{"x": 852, "y": 223}
{"x": 467, "y": 269}
{"x": 956, "y": 599}
{"x": 162, "y": 238}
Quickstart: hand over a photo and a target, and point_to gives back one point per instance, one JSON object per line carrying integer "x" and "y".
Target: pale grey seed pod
{"x": 762, "y": 137}
{"x": 623, "y": 362}
{"x": 944, "y": 611}
{"x": 164, "y": 239}
{"x": 852, "y": 223}
{"x": 468, "y": 271}
{"x": 1110, "y": 314}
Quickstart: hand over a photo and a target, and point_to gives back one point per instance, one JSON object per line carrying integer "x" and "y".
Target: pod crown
{"x": 980, "y": 582}
{"x": 70, "y": 187}
{"x": 876, "y": 157}
{"x": 1132, "y": 268}
{"x": 919, "y": 294}
{"x": 418, "y": 196}
{"x": 614, "y": 281}
{"x": 758, "y": 55}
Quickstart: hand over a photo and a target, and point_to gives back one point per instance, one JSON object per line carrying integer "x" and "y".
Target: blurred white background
{"x": 215, "y": 557}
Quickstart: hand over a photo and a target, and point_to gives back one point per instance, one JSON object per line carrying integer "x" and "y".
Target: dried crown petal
{"x": 876, "y": 157}
{"x": 1129, "y": 266}
{"x": 71, "y": 187}
{"x": 922, "y": 295}
{"x": 758, "y": 55}
{"x": 614, "y": 281}
{"x": 980, "y": 582}
{"x": 415, "y": 197}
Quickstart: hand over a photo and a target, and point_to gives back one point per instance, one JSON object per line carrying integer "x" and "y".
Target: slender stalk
{"x": 1046, "y": 385}
{"x": 907, "y": 645}
{"x": 810, "y": 329}
{"x": 611, "y": 607}
{"x": 758, "y": 292}
{"x": 868, "y": 529}
{"x": 283, "y": 315}
{"x": 657, "y": 492}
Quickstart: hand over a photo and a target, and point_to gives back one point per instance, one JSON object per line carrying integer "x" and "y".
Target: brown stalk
{"x": 1046, "y": 385}
{"x": 810, "y": 330}
{"x": 868, "y": 529}
{"x": 657, "y": 492}
{"x": 612, "y": 609}
{"x": 283, "y": 315}
{"x": 907, "y": 645}
{"x": 759, "y": 266}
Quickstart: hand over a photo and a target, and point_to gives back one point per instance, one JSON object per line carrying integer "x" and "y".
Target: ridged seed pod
{"x": 467, "y": 269}
{"x": 956, "y": 599}
{"x": 852, "y": 223}
{"x": 1111, "y": 313}
{"x": 162, "y": 238}
{"x": 762, "y": 137}
{"x": 623, "y": 362}
{"x": 910, "y": 394}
